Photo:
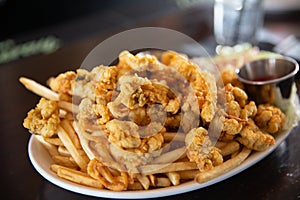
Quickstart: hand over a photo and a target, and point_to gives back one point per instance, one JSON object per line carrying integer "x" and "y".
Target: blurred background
{"x": 66, "y": 21}
{"x": 69, "y": 20}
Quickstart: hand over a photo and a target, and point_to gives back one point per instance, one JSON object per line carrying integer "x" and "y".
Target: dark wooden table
{"x": 275, "y": 177}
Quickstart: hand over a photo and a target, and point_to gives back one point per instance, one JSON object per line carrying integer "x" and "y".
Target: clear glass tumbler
{"x": 237, "y": 21}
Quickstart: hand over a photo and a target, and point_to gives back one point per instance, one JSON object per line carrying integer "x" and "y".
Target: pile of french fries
{"x": 74, "y": 162}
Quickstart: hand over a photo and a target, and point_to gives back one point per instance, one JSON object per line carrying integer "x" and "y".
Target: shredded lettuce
{"x": 290, "y": 107}
{"x": 266, "y": 54}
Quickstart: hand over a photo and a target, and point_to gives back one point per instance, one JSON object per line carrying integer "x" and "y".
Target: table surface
{"x": 275, "y": 177}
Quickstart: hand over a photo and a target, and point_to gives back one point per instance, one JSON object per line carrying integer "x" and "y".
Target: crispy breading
{"x": 102, "y": 113}
{"x": 269, "y": 118}
{"x": 153, "y": 143}
{"x": 92, "y": 113}
{"x": 249, "y": 111}
{"x": 139, "y": 116}
{"x": 232, "y": 126}
{"x": 253, "y": 138}
{"x": 233, "y": 108}
{"x": 44, "y": 119}
{"x": 83, "y": 86}
{"x": 97, "y": 85}
{"x": 235, "y": 93}
{"x": 128, "y": 135}
{"x": 137, "y": 62}
{"x": 105, "y": 79}
{"x": 151, "y": 94}
{"x": 63, "y": 82}
{"x": 201, "y": 150}
{"x": 86, "y": 114}
{"x": 229, "y": 76}
{"x": 128, "y": 86}
{"x": 124, "y": 134}
{"x": 202, "y": 82}
{"x": 173, "y": 121}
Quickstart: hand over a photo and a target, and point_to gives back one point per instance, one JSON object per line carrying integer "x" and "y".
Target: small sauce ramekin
{"x": 264, "y": 79}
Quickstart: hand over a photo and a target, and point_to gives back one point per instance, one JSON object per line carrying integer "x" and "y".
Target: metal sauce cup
{"x": 264, "y": 79}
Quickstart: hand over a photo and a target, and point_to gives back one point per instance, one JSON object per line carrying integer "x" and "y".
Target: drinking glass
{"x": 237, "y": 21}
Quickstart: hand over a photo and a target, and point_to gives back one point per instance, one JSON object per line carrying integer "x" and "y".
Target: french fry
{"x": 52, "y": 149}
{"x": 54, "y": 141}
{"x": 152, "y": 179}
{"x": 223, "y": 168}
{"x": 188, "y": 174}
{"x": 71, "y": 132}
{"x": 145, "y": 182}
{"x": 68, "y": 106}
{"x": 101, "y": 148}
{"x": 103, "y": 152}
{"x": 84, "y": 142}
{"x": 55, "y": 167}
{"x": 105, "y": 173}
{"x": 230, "y": 148}
{"x": 69, "y": 116}
{"x": 63, "y": 151}
{"x": 100, "y": 172}
{"x": 162, "y": 182}
{"x": 234, "y": 154}
{"x": 135, "y": 186}
{"x": 63, "y": 135}
{"x": 78, "y": 177}
{"x": 165, "y": 168}
{"x": 170, "y": 156}
{"x": 64, "y": 161}
{"x": 174, "y": 177}
{"x": 62, "y": 113}
{"x": 39, "y": 89}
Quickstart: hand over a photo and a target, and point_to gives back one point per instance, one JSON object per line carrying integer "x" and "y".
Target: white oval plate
{"x": 41, "y": 160}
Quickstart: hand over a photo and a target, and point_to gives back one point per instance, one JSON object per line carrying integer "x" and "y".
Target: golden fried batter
{"x": 233, "y": 108}
{"x": 270, "y": 118}
{"x": 106, "y": 80}
{"x": 123, "y": 133}
{"x": 44, "y": 119}
{"x": 63, "y": 82}
{"x": 203, "y": 83}
{"x": 235, "y": 93}
{"x": 128, "y": 135}
{"x": 232, "y": 126}
{"x": 200, "y": 149}
{"x": 249, "y": 111}
{"x": 136, "y": 62}
{"x": 102, "y": 113}
{"x": 229, "y": 76}
{"x": 253, "y": 138}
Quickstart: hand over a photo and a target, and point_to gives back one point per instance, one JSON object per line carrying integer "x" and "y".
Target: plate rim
{"x": 44, "y": 170}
